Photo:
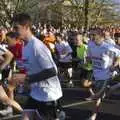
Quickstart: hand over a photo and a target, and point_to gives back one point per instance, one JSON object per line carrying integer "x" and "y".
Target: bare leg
{"x": 114, "y": 87}
{"x": 91, "y": 91}
{"x": 94, "y": 115}
{"x": 5, "y": 99}
{"x": 86, "y": 83}
{"x": 101, "y": 91}
{"x": 11, "y": 86}
{"x": 25, "y": 117}
{"x": 99, "y": 95}
{"x": 70, "y": 72}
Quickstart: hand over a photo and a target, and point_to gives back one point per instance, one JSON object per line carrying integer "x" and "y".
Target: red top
{"x": 17, "y": 50}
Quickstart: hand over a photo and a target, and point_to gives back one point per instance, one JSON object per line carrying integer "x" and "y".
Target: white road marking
{"x": 77, "y": 103}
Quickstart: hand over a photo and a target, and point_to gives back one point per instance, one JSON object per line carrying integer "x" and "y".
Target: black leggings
{"x": 48, "y": 110}
{"x": 86, "y": 74}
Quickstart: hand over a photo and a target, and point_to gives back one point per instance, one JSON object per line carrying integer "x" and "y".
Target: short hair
{"x": 99, "y": 32}
{"x": 13, "y": 35}
{"x": 59, "y": 35}
{"x": 79, "y": 33}
{"x": 22, "y": 19}
{"x": 116, "y": 35}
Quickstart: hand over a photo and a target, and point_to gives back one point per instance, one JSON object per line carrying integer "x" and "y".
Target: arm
{"x": 43, "y": 75}
{"x": 117, "y": 58}
{"x": 8, "y": 57}
{"x": 88, "y": 56}
{"x": 117, "y": 62}
{"x": 68, "y": 50}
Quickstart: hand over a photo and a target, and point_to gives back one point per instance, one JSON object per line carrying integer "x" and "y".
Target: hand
{"x": 117, "y": 62}
{"x": 1, "y": 59}
{"x": 62, "y": 56}
{"x": 18, "y": 77}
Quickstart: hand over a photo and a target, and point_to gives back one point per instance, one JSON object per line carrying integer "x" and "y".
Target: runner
{"x": 86, "y": 68}
{"x": 15, "y": 45}
{"x": 104, "y": 56}
{"x": 49, "y": 40}
{"x": 108, "y": 38}
{"x": 6, "y": 57}
{"x": 42, "y": 72}
{"x": 64, "y": 56}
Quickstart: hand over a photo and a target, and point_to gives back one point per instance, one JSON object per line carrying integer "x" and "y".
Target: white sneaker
{"x": 88, "y": 99}
{"x": 7, "y": 112}
{"x": 70, "y": 84}
{"x": 61, "y": 115}
{"x": 91, "y": 98}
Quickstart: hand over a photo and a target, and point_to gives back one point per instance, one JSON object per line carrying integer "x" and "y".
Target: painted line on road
{"x": 75, "y": 104}
{"x": 72, "y": 80}
{"x": 78, "y": 89}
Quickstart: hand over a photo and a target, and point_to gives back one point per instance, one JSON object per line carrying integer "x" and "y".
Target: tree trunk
{"x": 86, "y": 4}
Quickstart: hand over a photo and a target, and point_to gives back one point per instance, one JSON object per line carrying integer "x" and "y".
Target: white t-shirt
{"x": 63, "y": 50}
{"x": 102, "y": 57}
{"x": 110, "y": 41}
{"x": 117, "y": 46}
{"x": 2, "y": 50}
{"x": 37, "y": 57}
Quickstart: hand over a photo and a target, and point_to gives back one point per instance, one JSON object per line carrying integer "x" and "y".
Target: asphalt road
{"x": 77, "y": 108}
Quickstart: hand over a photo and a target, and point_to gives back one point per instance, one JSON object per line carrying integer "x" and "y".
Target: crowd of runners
{"x": 38, "y": 55}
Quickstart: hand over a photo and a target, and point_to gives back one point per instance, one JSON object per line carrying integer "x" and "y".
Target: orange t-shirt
{"x": 50, "y": 42}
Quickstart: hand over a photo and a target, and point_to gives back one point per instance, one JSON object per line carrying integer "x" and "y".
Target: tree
{"x": 102, "y": 11}
{"x": 86, "y": 12}
{"x": 76, "y": 13}
{"x": 10, "y": 7}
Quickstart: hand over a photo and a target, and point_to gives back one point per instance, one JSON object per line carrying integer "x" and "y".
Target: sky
{"x": 118, "y": 1}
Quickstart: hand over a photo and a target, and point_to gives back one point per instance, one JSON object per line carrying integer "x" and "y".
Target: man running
{"x": 5, "y": 59}
{"x": 104, "y": 58}
{"x": 41, "y": 69}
